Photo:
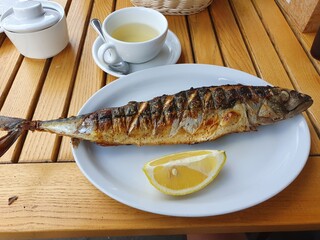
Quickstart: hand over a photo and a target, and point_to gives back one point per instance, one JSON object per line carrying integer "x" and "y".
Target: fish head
{"x": 295, "y": 102}
{"x": 282, "y": 104}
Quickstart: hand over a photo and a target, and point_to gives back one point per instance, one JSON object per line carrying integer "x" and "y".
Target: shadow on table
{"x": 309, "y": 235}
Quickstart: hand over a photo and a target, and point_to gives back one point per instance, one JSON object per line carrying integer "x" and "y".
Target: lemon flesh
{"x": 185, "y": 172}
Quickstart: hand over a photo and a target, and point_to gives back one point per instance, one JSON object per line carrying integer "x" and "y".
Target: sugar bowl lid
{"x": 30, "y": 16}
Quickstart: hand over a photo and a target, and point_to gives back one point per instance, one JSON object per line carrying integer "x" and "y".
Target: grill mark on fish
{"x": 155, "y": 112}
{"x": 134, "y": 124}
{"x": 143, "y": 115}
{"x": 118, "y": 119}
{"x": 104, "y": 120}
{"x": 180, "y": 104}
{"x": 169, "y": 109}
{"x": 261, "y": 92}
{"x": 219, "y": 98}
{"x": 194, "y": 115}
{"x": 206, "y": 98}
{"x": 245, "y": 92}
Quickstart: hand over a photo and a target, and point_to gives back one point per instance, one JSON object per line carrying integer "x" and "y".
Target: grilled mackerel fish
{"x": 191, "y": 116}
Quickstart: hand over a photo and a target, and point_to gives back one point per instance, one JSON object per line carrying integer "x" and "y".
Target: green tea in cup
{"x": 134, "y": 32}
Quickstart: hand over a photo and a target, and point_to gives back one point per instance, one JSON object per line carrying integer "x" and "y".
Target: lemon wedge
{"x": 185, "y": 172}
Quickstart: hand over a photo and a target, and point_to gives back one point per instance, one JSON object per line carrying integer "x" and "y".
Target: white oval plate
{"x": 259, "y": 164}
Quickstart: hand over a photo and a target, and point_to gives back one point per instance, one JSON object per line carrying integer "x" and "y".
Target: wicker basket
{"x": 174, "y": 7}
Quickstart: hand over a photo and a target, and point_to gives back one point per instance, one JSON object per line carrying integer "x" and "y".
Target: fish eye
{"x": 284, "y": 96}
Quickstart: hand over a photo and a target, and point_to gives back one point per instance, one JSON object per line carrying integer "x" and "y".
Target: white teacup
{"x": 134, "y": 34}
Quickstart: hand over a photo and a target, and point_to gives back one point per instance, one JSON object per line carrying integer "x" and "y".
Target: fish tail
{"x": 15, "y": 127}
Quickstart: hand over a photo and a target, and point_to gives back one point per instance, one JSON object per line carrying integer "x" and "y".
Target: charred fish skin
{"x": 187, "y": 117}
{"x": 198, "y": 114}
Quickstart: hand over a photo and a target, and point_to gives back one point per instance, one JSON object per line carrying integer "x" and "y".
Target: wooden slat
{"x": 90, "y": 77}
{"x": 123, "y": 4}
{"x": 306, "y": 39}
{"x": 266, "y": 59}
{"x": 179, "y": 26}
{"x": 55, "y": 94}
{"x": 22, "y": 98}
{"x": 297, "y": 63}
{"x": 56, "y": 200}
{"x": 63, "y": 3}
{"x": 315, "y": 141}
{"x": 52, "y": 203}
{"x": 2, "y": 38}
{"x": 233, "y": 48}
{"x": 205, "y": 46}
{"x": 10, "y": 60}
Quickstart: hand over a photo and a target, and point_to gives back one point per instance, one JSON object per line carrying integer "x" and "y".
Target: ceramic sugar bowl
{"x": 37, "y": 29}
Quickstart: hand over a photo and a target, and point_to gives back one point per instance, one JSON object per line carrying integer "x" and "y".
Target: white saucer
{"x": 169, "y": 54}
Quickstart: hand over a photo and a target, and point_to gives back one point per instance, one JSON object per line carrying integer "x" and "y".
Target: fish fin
{"x": 9, "y": 123}
{"x": 7, "y": 140}
{"x": 14, "y": 128}
{"x": 75, "y": 142}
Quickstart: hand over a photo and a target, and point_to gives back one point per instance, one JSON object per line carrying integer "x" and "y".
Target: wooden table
{"x": 56, "y": 200}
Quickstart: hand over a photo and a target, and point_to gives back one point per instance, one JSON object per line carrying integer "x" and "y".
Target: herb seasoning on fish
{"x": 191, "y": 116}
